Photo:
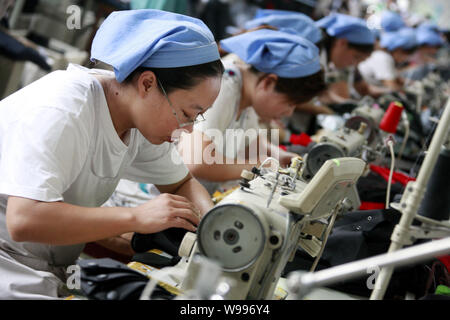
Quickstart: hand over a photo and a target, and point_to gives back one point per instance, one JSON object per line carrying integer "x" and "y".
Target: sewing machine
{"x": 344, "y": 142}
{"x": 253, "y": 232}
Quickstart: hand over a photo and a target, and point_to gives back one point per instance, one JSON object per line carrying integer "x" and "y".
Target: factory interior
{"x": 226, "y": 150}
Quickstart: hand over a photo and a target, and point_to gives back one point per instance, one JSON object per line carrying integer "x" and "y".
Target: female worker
{"x": 347, "y": 41}
{"x": 267, "y": 74}
{"x": 298, "y": 24}
{"x": 68, "y": 138}
{"x": 425, "y": 59}
{"x": 396, "y": 48}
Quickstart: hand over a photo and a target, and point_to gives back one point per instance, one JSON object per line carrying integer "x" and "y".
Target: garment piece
{"x": 359, "y": 235}
{"x": 378, "y": 67}
{"x": 174, "y": 41}
{"x": 60, "y": 144}
{"x": 108, "y": 279}
{"x": 15, "y": 50}
{"x": 131, "y": 194}
{"x": 25, "y": 281}
{"x": 270, "y": 51}
{"x": 295, "y": 23}
{"x": 353, "y": 29}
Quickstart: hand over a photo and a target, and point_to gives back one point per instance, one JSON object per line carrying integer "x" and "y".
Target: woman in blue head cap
{"x": 425, "y": 58}
{"x": 268, "y": 73}
{"x": 298, "y": 24}
{"x": 429, "y": 41}
{"x": 382, "y": 68}
{"x": 295, "y": 23}
{"x": 287, "y": 21}
{"x": 347, "y": 41}
{"x": 67, "y": 139}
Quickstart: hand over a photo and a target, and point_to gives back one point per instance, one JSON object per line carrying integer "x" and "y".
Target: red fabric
{"x": 396, "y": 176}
{"x": 446, "y": 261}
{"x": 366, "y": 205}
{"x": 283, "y": 147}
{"x": 97, "y": 251}
{"x": 300, "y": 139}
{"x": 270, "y": 5}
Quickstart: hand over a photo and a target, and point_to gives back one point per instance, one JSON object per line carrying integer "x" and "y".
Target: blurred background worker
{"x": 267, "y": 74}
{"x": 383, "y": 67}
{"x": 430, "y": 41}
{"x": 347, "y": 42}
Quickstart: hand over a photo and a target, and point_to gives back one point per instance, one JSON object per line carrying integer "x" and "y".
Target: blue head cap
{"x": 270, "y": 51}
{"x": 428, "y": 37}
{"x": 270, "y": 12}
{"x": 428, "y": 25}
{"x": 391, "y": 21}
{"x": 353, "y": 29}
{"x": 295, "y": 23}
{"x": 130, "y": 39}
{"x": 376, "y": 33}
{"x": 404, "y": 38}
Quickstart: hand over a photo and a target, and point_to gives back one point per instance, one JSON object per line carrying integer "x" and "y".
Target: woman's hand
{"x": 166, "y": 211}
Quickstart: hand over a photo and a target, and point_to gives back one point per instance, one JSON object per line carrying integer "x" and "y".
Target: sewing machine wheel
{"x": 355, "y": 122}
{"x": 232, "y": 235}
{"x": 320, "y": 153}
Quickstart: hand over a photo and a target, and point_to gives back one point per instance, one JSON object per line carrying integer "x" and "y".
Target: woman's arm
{"x": 60, "y": 223}
{"x": 193, "y": 191}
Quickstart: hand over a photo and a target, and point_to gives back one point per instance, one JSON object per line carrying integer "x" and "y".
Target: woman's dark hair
{"x": 181, "y": 77}
{"x": 299, "y": 90}
{"x": 410, "y": 50}
{"x": 327, "y": 42}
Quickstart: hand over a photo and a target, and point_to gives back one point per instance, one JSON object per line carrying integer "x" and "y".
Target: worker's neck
{"x": 118, "y": 100}
{"x": 249, "y": 82}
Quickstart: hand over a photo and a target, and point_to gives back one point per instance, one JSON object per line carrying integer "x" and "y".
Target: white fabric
{"x": 378, "y": 67}
{"x": 223, "y": 113}
{"x": 131, "y": 194}
{"x": 58, "y": 143}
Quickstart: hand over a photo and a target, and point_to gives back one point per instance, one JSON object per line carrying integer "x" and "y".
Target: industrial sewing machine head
{"x": 370, "y": 113}
{"x": 344, "y": 142}
{"x": 253, "y": 232}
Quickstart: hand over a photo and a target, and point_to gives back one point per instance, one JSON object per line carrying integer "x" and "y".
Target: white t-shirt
{"x": 222, "y": 115}
{"x": 378, "y": 67}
